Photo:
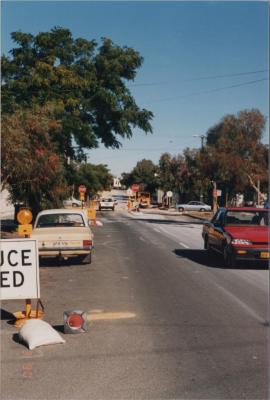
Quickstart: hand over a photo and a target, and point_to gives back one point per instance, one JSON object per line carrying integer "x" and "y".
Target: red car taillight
{"x": 87, "y": 243}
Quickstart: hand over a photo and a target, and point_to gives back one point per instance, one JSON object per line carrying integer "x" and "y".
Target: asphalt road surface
{"x": 166, "y": 322}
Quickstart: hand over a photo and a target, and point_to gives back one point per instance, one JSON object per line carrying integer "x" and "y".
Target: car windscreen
{"x": 259, "y": 218}
{"x": 60, "y": 220}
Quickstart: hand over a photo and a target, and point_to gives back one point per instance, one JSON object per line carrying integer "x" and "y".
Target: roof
{"x": 62, "y": 211}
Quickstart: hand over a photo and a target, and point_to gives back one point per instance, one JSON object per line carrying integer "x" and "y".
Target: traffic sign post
{"x": 169, "y": 195}
{"x": 135, "y": 187}
{"x": 82, "y": 191}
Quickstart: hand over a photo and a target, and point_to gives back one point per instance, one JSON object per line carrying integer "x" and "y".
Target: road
{"x": 165, "y": 321}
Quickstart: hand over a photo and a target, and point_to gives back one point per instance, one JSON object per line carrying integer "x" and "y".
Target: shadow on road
{"x": 6, "y": 315}
{"x": 168, "y": 222}
{"x": 201, "y": 257}
{"x": 56, "y": 263}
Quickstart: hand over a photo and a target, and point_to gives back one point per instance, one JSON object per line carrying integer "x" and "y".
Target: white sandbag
{"x": 36, "y": 332}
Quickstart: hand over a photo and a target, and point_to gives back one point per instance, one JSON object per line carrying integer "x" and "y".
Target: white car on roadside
{"x": 193, "y": 206}
{"x": 72, "y": 202}
{"x": 63, "y": 233}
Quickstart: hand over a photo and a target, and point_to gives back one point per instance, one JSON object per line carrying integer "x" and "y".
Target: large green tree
{"x": 88, "y": 81}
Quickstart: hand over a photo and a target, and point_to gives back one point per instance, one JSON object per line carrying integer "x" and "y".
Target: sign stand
{"x": 23, "y": 316}
{"x": 24, "y": 218}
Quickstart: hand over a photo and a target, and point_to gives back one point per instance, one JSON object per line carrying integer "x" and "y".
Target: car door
{"x": 214, "y": 230}
{"x": 192, "y": 206}
{"x": 218, "y": 234}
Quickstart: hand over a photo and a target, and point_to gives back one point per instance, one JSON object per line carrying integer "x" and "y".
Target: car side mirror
{"x": 218, "y": 224}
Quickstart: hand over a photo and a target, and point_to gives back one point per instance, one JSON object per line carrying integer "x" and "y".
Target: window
{"x": 57, "y": 220}
{"x": 247, "y": 218}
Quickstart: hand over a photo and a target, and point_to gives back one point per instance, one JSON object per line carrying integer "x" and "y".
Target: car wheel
{"x": 181, "y": 209}
{"x": 229, "y": 257}
{"x": 75, "y": 205}
{"x": 85, "y": 259}
{"x": 202, "y": 209}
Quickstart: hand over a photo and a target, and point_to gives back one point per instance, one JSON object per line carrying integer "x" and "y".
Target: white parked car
{"x": 106, "y": 204}
{"x": 72, "y": 202}
{"x": 193, "y": 206}
{"x": 63, "y": 233}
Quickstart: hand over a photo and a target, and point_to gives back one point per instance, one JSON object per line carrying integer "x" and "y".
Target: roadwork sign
{"x": 19, "y": 269}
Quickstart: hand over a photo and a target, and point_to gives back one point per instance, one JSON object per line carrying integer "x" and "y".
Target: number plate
{"x": 60, "y": 243}
{"x": 264, "y": 254}
{"x": 65, "y": 243}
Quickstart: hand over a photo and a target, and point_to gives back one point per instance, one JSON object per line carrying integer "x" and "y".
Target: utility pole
{"x": 202, "y": 137}
{"x": 215, "y": 204}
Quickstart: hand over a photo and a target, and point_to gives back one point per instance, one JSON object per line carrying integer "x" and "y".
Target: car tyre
{"x": 229, "y": 257}
{"x": 181, "y": 209}
{"x": 75, "y": 205}
{"x": 85, "y": 259}
{"x": 202, "y": 209}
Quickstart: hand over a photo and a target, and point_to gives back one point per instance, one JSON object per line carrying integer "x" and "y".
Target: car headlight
{"x": 241, "y": 241}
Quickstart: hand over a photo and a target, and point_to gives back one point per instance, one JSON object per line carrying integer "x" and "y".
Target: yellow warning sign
{"x": 24, "y": 216}
{"x": 91, "y": 212}
{"x": 25, "y": 229}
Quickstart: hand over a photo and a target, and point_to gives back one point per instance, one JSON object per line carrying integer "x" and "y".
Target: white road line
{"x": 184, "y": 245}
{"x": 157, "y": 230}
{"x": 241, "y": 304}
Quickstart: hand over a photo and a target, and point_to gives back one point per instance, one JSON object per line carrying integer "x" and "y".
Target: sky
{"x": 202, "y": 61}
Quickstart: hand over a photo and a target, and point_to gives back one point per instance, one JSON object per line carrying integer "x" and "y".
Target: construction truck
{"x": 144, "y": 199}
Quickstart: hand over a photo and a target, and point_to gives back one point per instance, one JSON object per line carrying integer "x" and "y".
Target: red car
{"x": 238, "y": 234}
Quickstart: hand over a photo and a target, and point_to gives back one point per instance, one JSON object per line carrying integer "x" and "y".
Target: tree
{"x": 95, "y": 177}
{"x": 144, "y": 173}
{"x": 32, "y": 170}
{"x": 234, "y": 155}
{"x": 181, "y": 174}
{"x": 88, "y": 82}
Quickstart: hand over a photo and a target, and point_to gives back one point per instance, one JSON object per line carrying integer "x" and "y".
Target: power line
{"x": 201, "y": 78}
{"x": 212, "y": 90}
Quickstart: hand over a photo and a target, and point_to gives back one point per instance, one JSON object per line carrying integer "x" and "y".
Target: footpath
{"x": 203, "y": 216}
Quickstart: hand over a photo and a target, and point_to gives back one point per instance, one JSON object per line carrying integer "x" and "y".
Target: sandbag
{"x": 36, "y": 332}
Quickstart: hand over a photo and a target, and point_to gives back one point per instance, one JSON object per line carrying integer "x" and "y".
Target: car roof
{"x": 61, "y": 211}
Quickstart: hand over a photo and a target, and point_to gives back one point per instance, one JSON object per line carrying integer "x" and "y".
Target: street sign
{"x": 135, "y": 187}
{"x": 19, "y": 269}
{"x": 169, "y": 194}
{"x": 219, "y": 193}
{"x": 82, "y": 189}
